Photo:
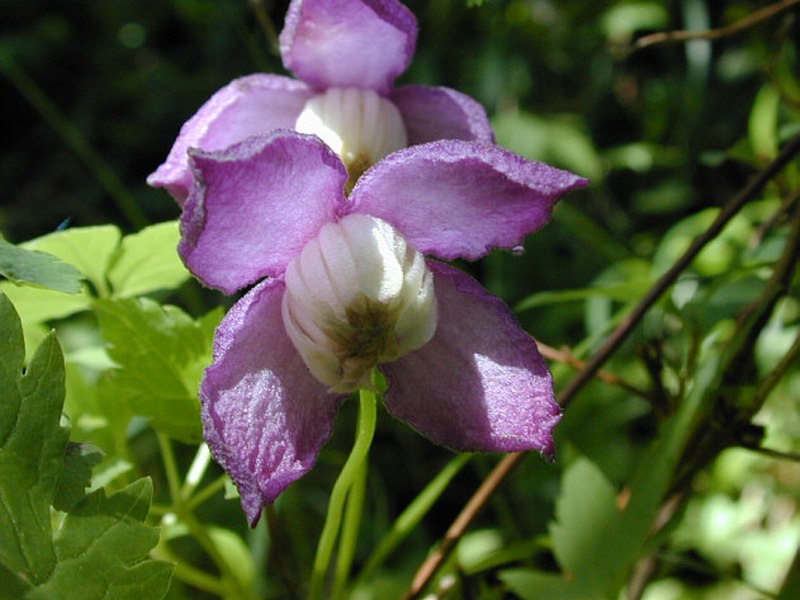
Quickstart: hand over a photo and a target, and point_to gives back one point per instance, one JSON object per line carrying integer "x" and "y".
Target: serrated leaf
{"x": 38, "y": 268}
{"x": 101, "y": 548}
{"x": 96, "y": 418}
{"x": 596, "y": 542}
{"x": 148, "y": 261}
{"x": 31, "y": 448}
{"x": 76, "y": 475}
{"x": 161, "y": 353}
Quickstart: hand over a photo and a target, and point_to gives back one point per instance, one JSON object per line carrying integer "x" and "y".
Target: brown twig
{"x": 666, "y": 37}
{"x": 470, "y": 511}
{"x": 568, "y": 358}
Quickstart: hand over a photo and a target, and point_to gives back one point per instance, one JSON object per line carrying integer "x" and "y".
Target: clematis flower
{"x": 346, "y": 54}
{"x": 341, "y": 286}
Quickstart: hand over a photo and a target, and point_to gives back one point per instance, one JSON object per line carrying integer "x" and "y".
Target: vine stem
{"x": 714, "y": 34}
{"x": 196, "y": 529}
{"x": 431, "y": 565}
{"x": 364, "y": 433}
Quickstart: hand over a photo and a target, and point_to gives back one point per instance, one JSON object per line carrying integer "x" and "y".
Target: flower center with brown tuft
{"x": 357, "y": 296}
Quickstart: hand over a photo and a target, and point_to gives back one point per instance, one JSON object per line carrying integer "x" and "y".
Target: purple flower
{"x": 346, "y": 54}
{"x": 341, "y": 286}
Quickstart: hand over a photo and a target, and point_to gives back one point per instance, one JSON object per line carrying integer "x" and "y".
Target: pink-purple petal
{"x": 348, "y": 43}
{"x": 480, "y": 384}
{"x": 458, "y": 199}
{"x": 246, "y": 106}
{"x": 440, "y": 113}
{"x": 265, "y": 417}
{"x": 255, "y": 204}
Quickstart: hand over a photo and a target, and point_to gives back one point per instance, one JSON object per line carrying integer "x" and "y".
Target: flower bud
{"x": 359, "y": 125}
{"x": 356, "y": 296}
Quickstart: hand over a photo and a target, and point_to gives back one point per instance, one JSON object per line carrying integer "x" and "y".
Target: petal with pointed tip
{"x": 255, "y": 204}
{"x": 348, "y": 43}
{"x": 458, "y": 199}
{"x": 246, "y": 106}
{"x": 265, "y": 417}
{"x": 440, "y": 113}
{"x": 480, "y": 384}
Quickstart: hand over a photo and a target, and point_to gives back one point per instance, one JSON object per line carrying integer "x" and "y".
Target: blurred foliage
{"x": 92, "y": 94}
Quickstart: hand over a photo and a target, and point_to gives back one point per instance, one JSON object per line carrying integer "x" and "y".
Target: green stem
{"x": 364, "y": 433}
{"x": 196, "y": 529}
{"x": 411, "y": 516}
{"x": 196, "y": 471}
{"x": 170, "y": 468}
{"x": 349, "y": 536}
{"x": 187, "y": 573}
{"x": 204, "y": 494}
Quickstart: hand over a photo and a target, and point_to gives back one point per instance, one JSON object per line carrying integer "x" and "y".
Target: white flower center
{"x": 359, "y": 125}
{"x": 356, "y": 296}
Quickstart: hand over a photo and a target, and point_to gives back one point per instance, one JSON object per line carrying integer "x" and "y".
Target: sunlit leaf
{"x": 38, "y": 268}
{"x": 161, "y": 353}
{"x": 100, "y": 549}
{"x": 148, "y": 261}
{"x": 88, "y": 249}
{"x": 557, "y": 140}
{"x": 622, "y": 20}
{"x": 764, "y": 123}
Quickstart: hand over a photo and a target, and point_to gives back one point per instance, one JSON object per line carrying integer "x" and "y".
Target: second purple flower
{"x": 346, "y": 55}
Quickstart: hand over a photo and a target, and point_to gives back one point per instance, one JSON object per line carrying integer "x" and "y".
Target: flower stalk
{"x": 365, "y": 431}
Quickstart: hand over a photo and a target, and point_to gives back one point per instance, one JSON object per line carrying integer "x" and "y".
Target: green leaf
{"x": 623, "y": 20}
{"x": 763, "y": 124}
{"x": 587, "y": 519}
{"x": 148, "y": 261}
{"x": 88, "y": 249}
{"x": 529, "y": 584}
{"x": 596, "y": 542}
{"x": 236, "y": 554}
{"x": 38, "y": 268}
{"x": 38, "y": 305}
{"x": 559, "y": 139}
{"x": 100, "y": 549}
{"x": 31, "y": 449}
{"x": 76, "y": 475}
{"x": 161, "y": 353}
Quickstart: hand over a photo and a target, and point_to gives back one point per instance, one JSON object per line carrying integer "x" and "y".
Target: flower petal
{"x": 255, "y": 204}
{"x": 265, "y": 417}
{"x": 247, "y": 106}
{"x": 458, "y": 199}
{"x": 480, "y": 384}
{"x": 348, "y": 43}
{"x": 440, "y": 113}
